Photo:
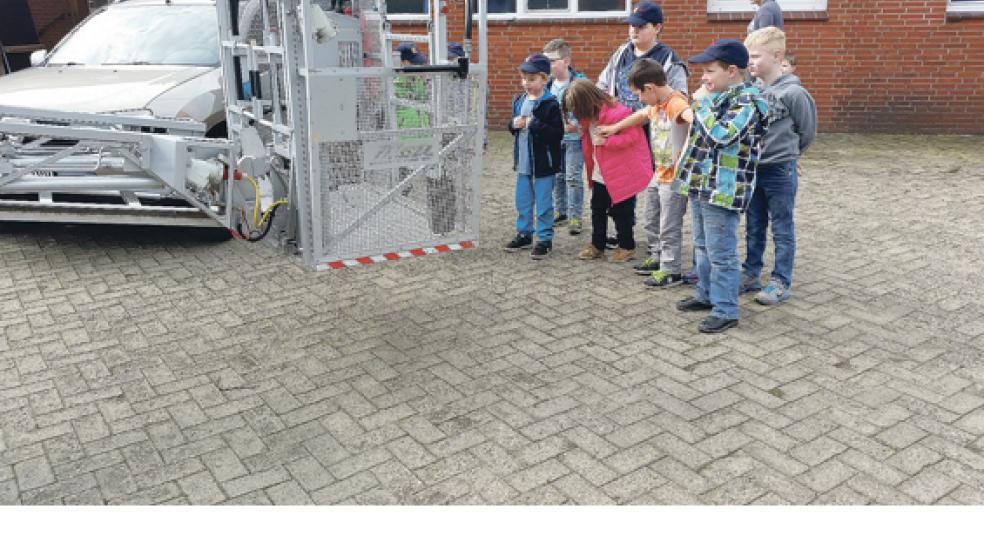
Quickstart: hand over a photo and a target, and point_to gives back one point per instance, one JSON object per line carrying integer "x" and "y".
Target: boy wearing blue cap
{"x": 411, "y": 88}
{"x": 717, "y": 172}
{"x": 537, "y": 128}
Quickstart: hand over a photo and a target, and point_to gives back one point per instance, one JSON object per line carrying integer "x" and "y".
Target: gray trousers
{"x": 663, "y": 222}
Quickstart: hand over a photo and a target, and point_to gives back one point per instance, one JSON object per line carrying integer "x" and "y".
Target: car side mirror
{"x": 38, "y": 57}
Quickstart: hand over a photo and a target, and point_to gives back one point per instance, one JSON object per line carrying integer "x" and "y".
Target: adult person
{"x": 767, "y": 14}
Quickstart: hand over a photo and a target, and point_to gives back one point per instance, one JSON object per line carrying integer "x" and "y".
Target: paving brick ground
{"x": 164, "y": 367}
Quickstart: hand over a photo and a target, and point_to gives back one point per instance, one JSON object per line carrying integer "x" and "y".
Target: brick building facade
{"x": 904, "y": 66}
{"x": 53, "y": 19}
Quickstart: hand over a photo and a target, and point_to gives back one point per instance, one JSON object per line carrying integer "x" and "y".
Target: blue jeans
{"x": 773, "y": 200}
{"x": 716, "y": 253}
{"x": 534, "y": 192}
{"x": 568, "y": 188}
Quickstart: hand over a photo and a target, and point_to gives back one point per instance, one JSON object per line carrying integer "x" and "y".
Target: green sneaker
{"x": 663, "y": 280}
{"x": 559, "y": 219}
{"x": 648, "y": 266}
{"x": 574, "y": 227}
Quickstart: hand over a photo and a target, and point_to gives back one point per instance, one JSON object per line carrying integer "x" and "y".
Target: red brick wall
{"x": 53, "y": 19}
{"x": 893, "y": 66}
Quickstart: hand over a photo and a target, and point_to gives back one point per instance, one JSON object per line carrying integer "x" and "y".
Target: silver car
{"x": 152, "y": 57}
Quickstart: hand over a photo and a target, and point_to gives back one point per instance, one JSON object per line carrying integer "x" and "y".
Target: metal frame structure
{"x": 367, "y": 156}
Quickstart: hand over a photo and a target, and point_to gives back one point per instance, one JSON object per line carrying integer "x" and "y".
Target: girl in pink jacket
{"x": 619, "y": 167}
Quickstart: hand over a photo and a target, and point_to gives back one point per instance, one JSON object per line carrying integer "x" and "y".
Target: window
{"x": 407, "y": 7}
{"x": 965, "y": 7}
{"x": 144, "y": 35}
{"x": 522, "y": 9}
{"x": 726, "y": 6}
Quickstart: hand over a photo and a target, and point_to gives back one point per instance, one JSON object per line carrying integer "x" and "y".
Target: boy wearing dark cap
{"x": 410, "y": 88}
{"x": 537, "y": 128}
{"x": 717, "y": 172}
{"x": 645, "y": 26}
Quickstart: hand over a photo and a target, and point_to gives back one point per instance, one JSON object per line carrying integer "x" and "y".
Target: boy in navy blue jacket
{"x": 537, "y": 128}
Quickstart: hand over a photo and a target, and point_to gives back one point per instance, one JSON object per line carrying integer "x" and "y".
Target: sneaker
{"x": 559, "y": 219}
{"x": 542, "y": 249}
{"x": 690, "y": 278}
{"x": 621, "y": 255}
{"x": 590, "y": 253}
{"x": 648, "y": 266}
{"x": 749, "y": 284}
{"x": 692, "y": 304}
{"x": 519, "y": 242}
{"x": 611, "y": 242}
{"x": 664, "y": 280}
{"x": 715, "y": 324}
{"x": 773, "y": 293}
{"x": 575, "y": 226}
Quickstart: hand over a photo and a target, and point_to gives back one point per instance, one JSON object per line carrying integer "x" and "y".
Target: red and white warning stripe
{"x": 415, "y": 253}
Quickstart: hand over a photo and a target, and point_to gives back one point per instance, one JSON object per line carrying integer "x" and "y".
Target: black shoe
{"x": 542, "y": 249}
{"x": 715, "y": 324}
{"x": 611, "y": 242}
{"x": 559, "y": 220}
{"x": 519, "y": 242}
{"x": 693, "y": 305}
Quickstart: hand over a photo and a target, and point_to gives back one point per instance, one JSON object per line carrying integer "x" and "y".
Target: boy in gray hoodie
{"x": 792, "y": 128}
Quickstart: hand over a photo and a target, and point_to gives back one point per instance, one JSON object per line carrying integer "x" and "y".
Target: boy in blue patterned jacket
{"x": 717, "y": 172}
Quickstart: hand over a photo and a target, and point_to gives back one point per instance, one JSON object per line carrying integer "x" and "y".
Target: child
{"x": 669, "y": 116}
{"x": 717, "y": 171}
{"x": 792, "y": 128}
{"x": 538, "y": 128}
{"x": 568, "y": 192}
{"x": 411, "y": 89}
{"x": 789, "y": 63}
{"x": 619, "y": 166}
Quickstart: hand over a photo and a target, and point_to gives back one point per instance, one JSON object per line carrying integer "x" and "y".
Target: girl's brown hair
{"x": 585, "y": 100}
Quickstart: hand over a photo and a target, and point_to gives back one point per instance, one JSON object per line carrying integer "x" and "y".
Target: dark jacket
{"x": 546, "y": 128}
{"x": 769, "y": 14}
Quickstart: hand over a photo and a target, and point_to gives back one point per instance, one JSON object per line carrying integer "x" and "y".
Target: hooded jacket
{"x": 546, "y": 130}
{"x": 624, "y": 160}
{"x": 792, "y": 120}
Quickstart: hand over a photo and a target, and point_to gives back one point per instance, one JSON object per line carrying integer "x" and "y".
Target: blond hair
{"x": 770, "y": 38}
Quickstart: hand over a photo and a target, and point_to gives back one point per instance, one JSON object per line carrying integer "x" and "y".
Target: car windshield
{"x": 144, "y": 35}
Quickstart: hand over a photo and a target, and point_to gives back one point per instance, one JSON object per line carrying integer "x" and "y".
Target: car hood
{"x": 94, "y": 89}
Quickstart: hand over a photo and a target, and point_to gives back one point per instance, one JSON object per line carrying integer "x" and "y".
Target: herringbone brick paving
{"x": 160, "y": 366}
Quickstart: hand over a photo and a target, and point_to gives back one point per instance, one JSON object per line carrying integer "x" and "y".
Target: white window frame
{"x": 523, "y": 13}
{"x": 970, "y": 6}
{"x": 740, "y": 6}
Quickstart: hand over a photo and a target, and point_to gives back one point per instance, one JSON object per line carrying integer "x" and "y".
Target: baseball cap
{"x": 727, "y": 50}
{"x": 537, "y": 63}
{"x": 645, "y": 12}
{"x": 455, "y": 50}
{"x": 409, "y": 53}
